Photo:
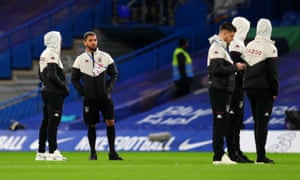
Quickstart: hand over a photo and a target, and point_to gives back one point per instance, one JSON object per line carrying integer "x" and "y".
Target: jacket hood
{"x": 264, "y": 29}
{"x": 215, "y": 38}
{"x": 53, "y": 39}
{"x": 242, "y": 25}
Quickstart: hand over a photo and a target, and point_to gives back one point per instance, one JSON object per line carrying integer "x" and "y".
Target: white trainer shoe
{"x": 225, "y": 160}
{"x": 41, "y": 156}
{"x": 56, "y": 156}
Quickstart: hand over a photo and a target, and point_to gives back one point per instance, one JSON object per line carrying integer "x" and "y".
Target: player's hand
{"x": 240, "y": 66}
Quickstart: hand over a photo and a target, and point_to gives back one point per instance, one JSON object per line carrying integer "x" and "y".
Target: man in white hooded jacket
{"x": 236, "y": 111}
{"x": 221, "y": 76}
{"x": 261, "y": 83}
{"x": 54, "y": 90}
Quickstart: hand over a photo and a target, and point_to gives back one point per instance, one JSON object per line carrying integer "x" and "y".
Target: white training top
{"x": 218, "y": 50}
{"x": 93, "y": 66}
{"x": 262, "y": 47}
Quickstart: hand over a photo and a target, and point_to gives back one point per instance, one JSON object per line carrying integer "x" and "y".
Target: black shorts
{"x": 91, "y": 110}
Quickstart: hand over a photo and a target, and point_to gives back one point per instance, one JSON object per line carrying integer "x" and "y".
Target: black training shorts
{"x": 91, "y": 110}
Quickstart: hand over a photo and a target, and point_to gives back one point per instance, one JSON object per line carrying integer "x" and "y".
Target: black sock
{"x": 92, "y": 138}
{"x": 111, "y": 134}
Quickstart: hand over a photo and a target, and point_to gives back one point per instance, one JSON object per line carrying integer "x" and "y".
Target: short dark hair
{"x": 89, "y": 33}
{"x": 228, "y": 26}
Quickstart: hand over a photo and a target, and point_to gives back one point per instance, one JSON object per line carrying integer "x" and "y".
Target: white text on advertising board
{"x": 175, "y": 115}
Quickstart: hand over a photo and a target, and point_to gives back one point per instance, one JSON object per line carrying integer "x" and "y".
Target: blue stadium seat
{"x": 5, "y": 68}
{"x": 21, "y": 56}
{"x": 82, "y": 23}
{"x": 288, "y": 18}
{"x": 65, "y": 29}
{"x": 37, "y": 46}
{"x": 297, "y": 23}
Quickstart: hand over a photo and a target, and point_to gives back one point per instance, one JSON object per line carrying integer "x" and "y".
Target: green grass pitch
{"x": 145, "y": 166}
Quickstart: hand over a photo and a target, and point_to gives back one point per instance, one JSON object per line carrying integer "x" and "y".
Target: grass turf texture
{"x": 144, "y": 166}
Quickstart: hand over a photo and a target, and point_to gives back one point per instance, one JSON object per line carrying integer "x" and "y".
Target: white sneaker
{"x": 225, "y": 160}
{"x": 41, "y": 156}
{"x": 56, "y": 156}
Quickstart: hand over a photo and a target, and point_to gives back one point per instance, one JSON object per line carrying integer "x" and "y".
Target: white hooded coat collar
{"x": 215, "y": 38}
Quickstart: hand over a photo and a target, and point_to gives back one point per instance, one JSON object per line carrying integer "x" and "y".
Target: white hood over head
{"x": 242, "y": 25}
{"x": 264, "y": 29}
{"x": 53, "y": 40}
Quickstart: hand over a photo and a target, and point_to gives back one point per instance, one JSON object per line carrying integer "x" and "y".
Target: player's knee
{"x": 231, "y": 111}
{"x": 219, "y": 115}
{"x": 92, "y": 126}
{"x": 110, "y": 122}
{"x": 55, "y": 118}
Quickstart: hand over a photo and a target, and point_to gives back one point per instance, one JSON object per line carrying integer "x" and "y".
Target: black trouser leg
{"x": 235, "y": 118}
{"x": 54, "y": 106}
{"x": 183, "y": 87}
{"x": 261, "y": 104}
{"x": 52, "y": 131}
{"x": 43, "y": 128}
{"x": 231, "y": 133}
{"x": 218, "y": 100}
{"x": 240, "y": 120}
{"x": 237, "y": 132}
{"x": 239, "y": 128}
